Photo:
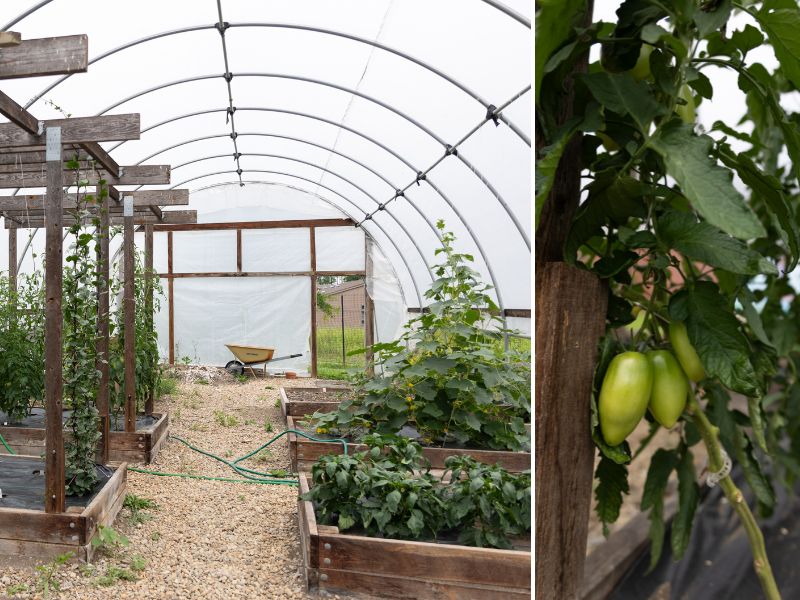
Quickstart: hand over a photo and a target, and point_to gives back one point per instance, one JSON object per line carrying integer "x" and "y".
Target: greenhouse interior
{"x": 265, "y": 299}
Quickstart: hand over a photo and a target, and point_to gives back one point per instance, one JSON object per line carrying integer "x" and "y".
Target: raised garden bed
{"x": 336, "y": 562}
{"x": 303, "y": 453}
{"x": 301, "y": 401}
{"x": 26, "y": 530}
{"x": 27, "y": 437}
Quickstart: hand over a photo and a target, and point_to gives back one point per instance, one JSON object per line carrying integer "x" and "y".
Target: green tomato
{"x": 641, "y": 70}
{"x": 686, "y": 111}
{"x": 670, "y": 388}
{"x": 624, "y": 395}
{"x": 685, "y": 352}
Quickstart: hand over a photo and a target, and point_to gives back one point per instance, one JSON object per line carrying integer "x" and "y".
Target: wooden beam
{"x": 148, "y": 299}
{"x": 18, "y": 115}
{"x": 141, "y": 198}
{"x": 156, "y": 212}
{"x": 313, "y": 250}
{"x": 45, "y": 56}
{"x": 134, "y": 175}
{"x": 106, "y": 128}
{"x": 574, "y": 302}
{"x": 253, "y": 274}
{"x": 369, "y": 314}
{"x": 258, "y": 225}
{"x": 238, "y": 250}
{"x": 170, "y": 300}
{"x": 12, "y": 260}
{"x": 9, "y": 39}
{"x": 129, "y": 308}
{"x": 103, "y": 330}
{"x": 102, "y": 157}
{"x": 139, "y": 218}
{"x": 508, "y": 312}
{"x": 53, "y": 377}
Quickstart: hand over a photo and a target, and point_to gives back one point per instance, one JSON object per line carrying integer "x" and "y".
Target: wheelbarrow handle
{"x": 284, "y": 357}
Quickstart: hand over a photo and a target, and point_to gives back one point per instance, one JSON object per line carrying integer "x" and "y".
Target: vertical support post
{"x": 53, "y": 325}
{"x": 12, "y": 260}
{"x": 344, "y": 359}
{"x": 171, "y": 301}
{"x": 129, "y": 308}
{"x": 102, "y": 245}
{"x": 148, "y": 301}
{"x": 239, "y": 253}
{"x": 571, "y": 310}
{"x": 313, "y": 241}
{"x": 369, "y": 312}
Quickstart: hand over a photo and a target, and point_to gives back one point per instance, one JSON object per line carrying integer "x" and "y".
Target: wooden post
{"x": 369, "y": 313}
{"x": 238, "y": 250}
{"x": 148, "y": 300}
{"x": 12, "y": 260}
{"x": 313, "y": 241}
{"x": 102, "y": 327}
{"x": 53, "y": 324}
{"x": 129, "y": 309}
{"x": 170, "y": 301}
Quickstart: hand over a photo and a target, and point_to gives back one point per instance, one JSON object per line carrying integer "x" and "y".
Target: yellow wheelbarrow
{"x": 247, "y": 356}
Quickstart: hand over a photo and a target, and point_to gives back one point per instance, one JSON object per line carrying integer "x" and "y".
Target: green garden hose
{"x": 10, "y": 451}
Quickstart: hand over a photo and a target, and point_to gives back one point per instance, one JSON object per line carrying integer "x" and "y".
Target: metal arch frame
{"x": 509, "y": 11}
{"x": 367, "y": 97}
{"x": 323, "y": 199}
{"x": 362, "y": 135}
{"x": 374, "y": 43}
{"x": 378, "y": 225}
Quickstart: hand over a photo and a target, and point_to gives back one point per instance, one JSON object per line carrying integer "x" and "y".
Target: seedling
{"x": 155, "y": 536}
{"x": 108, "y": 539}
{"x": 136, "y": 505}
{"x": 267, "y": 425}
{"x": 17, "y": 588}
{"x": 225, "y": 420}
{"x": 47, "y": 581}
{"x": 113, "y": 575}
{"x": 138, "y": 563}
{"x": 263, "y": 456}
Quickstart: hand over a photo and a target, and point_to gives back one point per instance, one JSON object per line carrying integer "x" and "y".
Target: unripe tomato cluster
{"x": 635, "y": 382}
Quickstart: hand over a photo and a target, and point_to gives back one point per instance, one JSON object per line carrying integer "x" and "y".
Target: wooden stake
{"x": 53, "y": 325}
{"x": 102, "y": 328}
{"x": 238, "y": 250}
{"x": 12, "y": 260}
{"x": 148, "y": 299}
{"x": 130, "y": 320}
{"x": 369, "y": 314}
{"x": 313, "y": 241}
{"x": 171, "y": 301}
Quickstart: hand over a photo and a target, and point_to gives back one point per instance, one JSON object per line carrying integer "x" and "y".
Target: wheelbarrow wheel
{"x": 235, "y": 367}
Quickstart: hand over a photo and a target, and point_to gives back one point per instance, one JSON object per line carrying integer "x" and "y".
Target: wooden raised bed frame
{"x": 303, "y": 453}
{"x": 298, "y": 408}
{"x": 35, "y": 533}
{"x": 141, "y": 446}
{"x": 335, "y": 562}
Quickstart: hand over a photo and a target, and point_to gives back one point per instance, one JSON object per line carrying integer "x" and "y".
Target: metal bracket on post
{"x": 127, "y": 206}
{"x": 53, "y": 144}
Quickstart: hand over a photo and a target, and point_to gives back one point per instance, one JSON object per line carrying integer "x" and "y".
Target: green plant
{"x": 249, "y": 422}
{"x": 47, "y": 581}
{"x": 167, "y": 386}
{"x": 17, "y": 588}
{"x": 277, "y": 402}
{"x": 224, "y": 419}
{"x": 241, "y": 378}
{"x": 389, "y": 491}
{"x": 263, "y": 456}
{"x": 113, "y": 575}
{"x": 137, "y": 505}
{"x": 155, "y": 536}
{"x": 660, "y": 220}
{"x": 138, "y": 563}
{"x": 446, "y": 375}
{"x": 108, "y": 539}
{"x": 267, "y": 425}
{"x": 278, "y": 473}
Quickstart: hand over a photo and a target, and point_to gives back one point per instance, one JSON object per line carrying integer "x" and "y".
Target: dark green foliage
{"x": 389, "y": 491}
{"x": 447, "y": 376}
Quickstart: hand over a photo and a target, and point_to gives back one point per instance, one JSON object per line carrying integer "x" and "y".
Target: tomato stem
{"x": 710, "y": 435}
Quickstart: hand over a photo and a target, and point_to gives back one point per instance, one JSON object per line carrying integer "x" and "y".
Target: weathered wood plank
{"x": 129, "y": 315}
{"x": 133, "y": 175}
{"x": 571, "y": 309}
{"x": 286, "y": 224}
{"x": 170, "y": 301}
{"x": 53, "y": 381}
{"x": 148, "y": 299}
{"x": 45, "y": 56}
{"x": 139, "y": 218}
{"x": 106, "y": 128}
{"x": 313, "y": 306}
{"x": 102, "y": 343}
{"x": 100, "y": 510}
{"x": 38, "y": 526}
{"x": 18, "y": 115}
{"x": 250, "y": 273}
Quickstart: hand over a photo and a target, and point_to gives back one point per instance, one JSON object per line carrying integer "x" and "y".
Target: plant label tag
{"x": 53, "y": 144}
{"x": 127, "y": 206}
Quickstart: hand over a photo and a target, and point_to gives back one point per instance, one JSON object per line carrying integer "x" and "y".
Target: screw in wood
{"x": 323, "y": 577}
{"x": 327, "y": 561}
{"x": 327, "y": 546}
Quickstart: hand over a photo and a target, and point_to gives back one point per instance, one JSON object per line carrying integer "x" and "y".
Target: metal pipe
{"x": 509, "y": 11}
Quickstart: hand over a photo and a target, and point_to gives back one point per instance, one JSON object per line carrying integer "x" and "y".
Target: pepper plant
{"x": 448, "y": 375}
{"x": 687, "y": 224}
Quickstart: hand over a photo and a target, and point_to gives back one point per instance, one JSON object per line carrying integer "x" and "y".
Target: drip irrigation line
{"x": 492, "y": 114}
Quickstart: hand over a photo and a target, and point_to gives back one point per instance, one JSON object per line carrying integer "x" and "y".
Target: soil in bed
{"x": 37, "y": 419}
{"x": 22, "y": 484}
{"x": 303, "y": 395}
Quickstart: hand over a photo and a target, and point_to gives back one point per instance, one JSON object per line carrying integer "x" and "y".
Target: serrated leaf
{"x": 554, "y": 23}
{"x": 783, "y": 29}
{"x": 632, "y": 16}
{"x": 758, "y": 482}
{"x": 707, "y": 185}
{"x": 621, "y": 93}
{"x": 612, "y": 483}
{"x": 754, "y": 411}
{"x": 713, "y": 17}
{"x": 714, "y": 332}
{"x": 662, "y": 464}
{"x": 748, "y": 38}
{"x": 545, "y": 173}
{"x": 705, "y": 243}
{"x": 701, "y": 84}
{"x": 688, "y": 498}
{"x": 746, "y": 299}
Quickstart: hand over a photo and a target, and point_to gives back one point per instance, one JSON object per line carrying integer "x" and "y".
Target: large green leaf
{"x": 661, "y": 465}
{"x": 707, "y": 185}
{"x": 704, "y": 242}
{"x": 770, "y": 190}
{"x": 783, "y": 28}
{"x": 554, "y": 23}
{"x": 625, "y": 96}
{"x": 712, "y": 19}
{"x": 632, "y": 16}
{"x": 612, "y": 483}
{"x": 715, "y": 335}
{"x": 546, "y": 173}
{"x": 758, "y": 482}
{"x": 688, "y": 498}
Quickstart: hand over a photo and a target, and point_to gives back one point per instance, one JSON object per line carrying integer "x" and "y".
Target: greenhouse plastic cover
{"x": 338, "y": 107}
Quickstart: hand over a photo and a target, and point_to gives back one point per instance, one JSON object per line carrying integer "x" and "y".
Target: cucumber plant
{"x": 694, "y": 225}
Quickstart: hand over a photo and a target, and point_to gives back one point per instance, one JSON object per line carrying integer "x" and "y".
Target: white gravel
{"x": 208, "y": 539}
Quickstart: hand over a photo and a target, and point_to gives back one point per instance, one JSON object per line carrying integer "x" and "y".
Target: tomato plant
{"x": 694, "y": 224}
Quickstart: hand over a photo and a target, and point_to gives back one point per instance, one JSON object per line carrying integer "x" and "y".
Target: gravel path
{"x": 207, "y": 539}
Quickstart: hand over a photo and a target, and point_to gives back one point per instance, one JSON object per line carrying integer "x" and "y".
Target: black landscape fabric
{"x": 718, "y": 564}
